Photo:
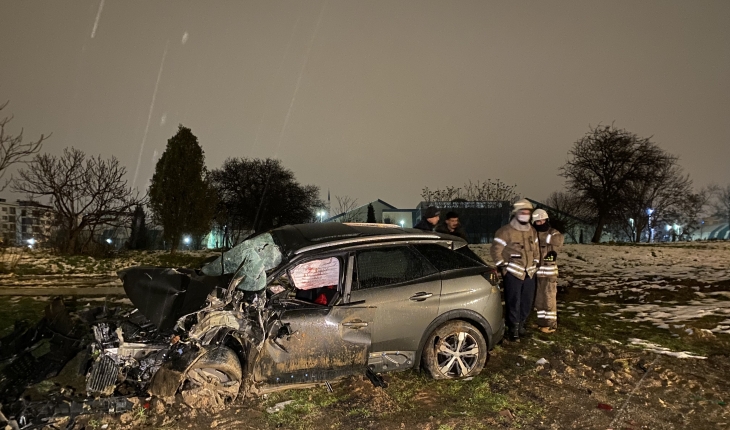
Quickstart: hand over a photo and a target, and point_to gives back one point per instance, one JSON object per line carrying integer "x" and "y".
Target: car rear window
{"x": 445, "y": 259}
{"x": 387, "y": 266}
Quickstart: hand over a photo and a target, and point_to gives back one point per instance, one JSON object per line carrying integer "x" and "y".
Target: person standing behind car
{"x": 429, "y": 219}
{"x": 551, "y": 242}
{"x": 515, "y": 250}
{"x": 450, "y": 225}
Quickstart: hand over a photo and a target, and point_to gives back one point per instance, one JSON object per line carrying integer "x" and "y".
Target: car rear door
{"x": 405, "y": 290}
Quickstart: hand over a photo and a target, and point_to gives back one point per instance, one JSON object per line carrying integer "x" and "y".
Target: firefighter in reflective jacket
{"x": 551, "y": 242}
{"x": 515, "y": 250}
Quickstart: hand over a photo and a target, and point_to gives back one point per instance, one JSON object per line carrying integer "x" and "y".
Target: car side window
{"x": 386, "y": 266}
{"x": 445, "y": 259}
{"x": 317, "y": 281}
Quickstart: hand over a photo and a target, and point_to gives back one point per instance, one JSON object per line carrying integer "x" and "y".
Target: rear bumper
{"x": 498, "y": 334}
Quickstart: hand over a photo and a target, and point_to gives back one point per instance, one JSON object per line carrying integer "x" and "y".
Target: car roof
{"x": 299, "y": 238}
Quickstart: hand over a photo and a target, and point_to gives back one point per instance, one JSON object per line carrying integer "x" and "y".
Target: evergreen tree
{"x": 138, "y": 231}
{"x": 371, "y": 214}
{"x": 181, "y": 198}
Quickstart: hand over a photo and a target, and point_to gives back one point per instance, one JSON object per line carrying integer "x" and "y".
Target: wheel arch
{"x": 466, "y": 315}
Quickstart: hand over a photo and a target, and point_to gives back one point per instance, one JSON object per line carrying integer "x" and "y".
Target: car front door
{"x": 315, "y": 337}
{"x": 405, "y": 289}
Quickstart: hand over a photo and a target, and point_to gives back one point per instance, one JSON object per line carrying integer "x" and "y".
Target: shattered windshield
{"x": 249, "y": 261}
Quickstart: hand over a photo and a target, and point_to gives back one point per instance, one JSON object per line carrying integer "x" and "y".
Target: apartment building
{"x": 23, "y": 220}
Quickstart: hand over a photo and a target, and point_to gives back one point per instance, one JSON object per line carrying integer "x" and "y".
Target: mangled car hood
{"x": 163, "y": 295}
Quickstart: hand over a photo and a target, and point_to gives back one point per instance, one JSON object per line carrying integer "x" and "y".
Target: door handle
{"x": 355, "y": 324}
{"x": 419, "y": 297}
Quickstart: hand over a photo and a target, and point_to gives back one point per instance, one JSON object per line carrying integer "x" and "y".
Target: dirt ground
{"x": 642, "y": 344}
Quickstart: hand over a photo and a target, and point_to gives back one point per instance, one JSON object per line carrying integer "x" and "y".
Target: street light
{"x": 109, "y": 241}
{"x": 648, "y": 224}
{"x": 402, "y": 223}
{"x": 702, "y": 224}
{"x": 186, "y": 240}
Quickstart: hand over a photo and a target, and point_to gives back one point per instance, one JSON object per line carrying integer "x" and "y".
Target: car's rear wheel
{"x": 213, "y": 380}
{"x": 455, "y": 350}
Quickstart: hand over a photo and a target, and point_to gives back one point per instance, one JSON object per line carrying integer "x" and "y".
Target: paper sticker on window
{"x": 316, "y": 274}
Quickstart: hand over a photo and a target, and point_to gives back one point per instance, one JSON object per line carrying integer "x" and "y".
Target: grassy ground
{"x": 592, "y": 377}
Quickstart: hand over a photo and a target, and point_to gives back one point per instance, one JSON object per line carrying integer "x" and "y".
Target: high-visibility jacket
{"x": 551, "y": 240}
{"x": 515, "y": 250}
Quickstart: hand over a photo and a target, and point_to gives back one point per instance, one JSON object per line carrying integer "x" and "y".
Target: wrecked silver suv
{"x": 300, "y": 304}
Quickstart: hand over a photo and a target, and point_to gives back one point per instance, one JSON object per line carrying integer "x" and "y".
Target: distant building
{"x": 712, "y": 228}
{"x": 480, "y": 220}
{"x": 405, "y": 218}
{"x": 25, "y": 220}
{"x": 360, "y": 214}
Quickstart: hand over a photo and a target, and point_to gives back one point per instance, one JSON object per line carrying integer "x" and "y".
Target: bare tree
{"x": 721, "y": 201}
{"x": 659, "y": 195}
{"x": 569, "y": 212}
{"x": 12, "y": 147}
{"x": 689, "y": 211}
{"x": 345, "y": 205}
{"x": 488, "y": 190}
{"x": 604, "y": 163}
{"x": 86, "y": 193}
{"x": 441, "y": 195}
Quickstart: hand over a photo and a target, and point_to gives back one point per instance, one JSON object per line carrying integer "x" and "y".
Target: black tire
{"x": 455, "y": 350}
{"x": 214, "y": 379}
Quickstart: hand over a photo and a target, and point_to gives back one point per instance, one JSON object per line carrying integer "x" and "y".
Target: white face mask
{"x": 523, "y": 218}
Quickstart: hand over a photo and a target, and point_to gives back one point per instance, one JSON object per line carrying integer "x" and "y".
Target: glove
{"x": 550, "y": 257}
{"x": 531, "y": 272}
{"x": 502, "y": 270}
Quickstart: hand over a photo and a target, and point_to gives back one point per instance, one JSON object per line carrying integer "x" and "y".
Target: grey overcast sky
{"x": 372, "y": 99}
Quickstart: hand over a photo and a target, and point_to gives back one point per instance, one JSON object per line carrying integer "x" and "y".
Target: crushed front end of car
{"x": 238, "y": 325}
{"x": 190, "y": 328}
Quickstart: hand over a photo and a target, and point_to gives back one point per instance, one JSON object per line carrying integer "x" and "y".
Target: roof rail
{"x": 371, "y": 224}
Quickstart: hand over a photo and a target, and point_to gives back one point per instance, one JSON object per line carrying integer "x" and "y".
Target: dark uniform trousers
{"x": 518, "y": 297}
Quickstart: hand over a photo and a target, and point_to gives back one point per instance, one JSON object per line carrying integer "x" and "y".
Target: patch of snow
{"x": 658, "y": 349}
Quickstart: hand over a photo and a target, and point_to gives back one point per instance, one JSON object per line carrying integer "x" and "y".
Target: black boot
{"x": 513, "y": 334}
{"x": 522, "y": 329}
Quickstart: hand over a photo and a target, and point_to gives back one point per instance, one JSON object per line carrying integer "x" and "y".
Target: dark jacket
{"x": 423, "y": 224}
{"x": 458, "y": 231}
